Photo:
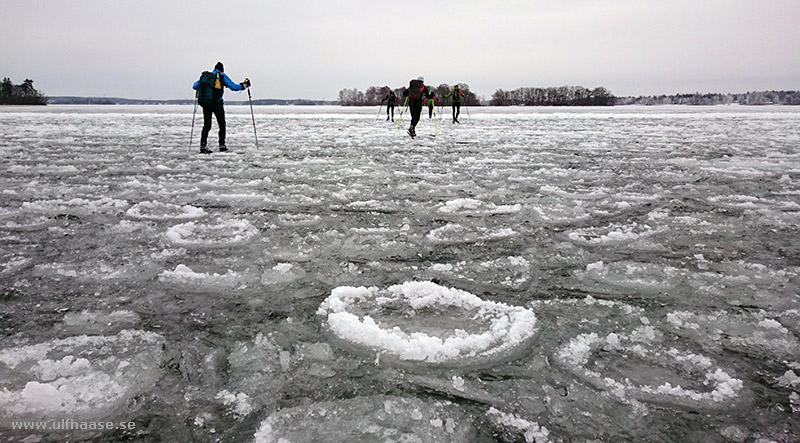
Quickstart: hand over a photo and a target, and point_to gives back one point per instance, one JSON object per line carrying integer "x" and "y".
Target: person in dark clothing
{"x": 416, "y": 93}
{"x": 457, "y": 94}
{"x": 216, "y": 108}
{"x": 431, "y": 102}
{"x": 391, "y": 100}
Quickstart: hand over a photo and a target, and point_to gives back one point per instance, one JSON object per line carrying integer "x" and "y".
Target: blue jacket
{"x": 225, "y": 81}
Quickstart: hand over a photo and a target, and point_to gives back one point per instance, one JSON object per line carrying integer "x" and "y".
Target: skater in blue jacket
{"x": 209, "y": 89}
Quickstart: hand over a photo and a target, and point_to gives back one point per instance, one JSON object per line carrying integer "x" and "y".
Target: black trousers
{"x": 416, "y": 111}
{"x": 388, "y": 107}
{"x": 456, "y": 109}
{"x": 218, "y": 111}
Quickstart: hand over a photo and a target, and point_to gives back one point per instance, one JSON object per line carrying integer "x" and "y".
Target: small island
{"x": 22, "y": 94}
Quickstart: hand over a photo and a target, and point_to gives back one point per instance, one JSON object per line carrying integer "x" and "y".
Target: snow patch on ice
{"x": 530, "y": 430}
{"x": 240, "y": 405}
{"x": 81, "y": 376}
{"x": 789, "y": 379}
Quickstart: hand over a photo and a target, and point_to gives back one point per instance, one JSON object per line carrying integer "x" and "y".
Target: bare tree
{"x": 351, "y": 97}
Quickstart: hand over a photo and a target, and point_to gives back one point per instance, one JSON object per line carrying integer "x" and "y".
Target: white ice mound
{"x": 613, "y": 234}
{"x": 153, "y": 210}
{"x": 78, "y": 377}
{"x": 185, "y": 277}
{"x": 372, "y": 206}
{"x": 369, "y": 419}
{"x": 423, "y": 322}
{"x": 454, "y": 233}
{"x": 470, "y": 206}
{"x": 300, "y": 219}
{"x": 215, "y": 234}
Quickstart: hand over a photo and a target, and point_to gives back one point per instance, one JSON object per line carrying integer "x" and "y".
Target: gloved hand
{"x": 246, "y": 83}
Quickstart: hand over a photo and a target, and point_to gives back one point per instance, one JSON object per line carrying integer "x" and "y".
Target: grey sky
{"x": 313, "y": 49}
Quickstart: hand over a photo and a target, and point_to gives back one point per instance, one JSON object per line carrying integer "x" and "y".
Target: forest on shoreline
{"x": 574, "y": 96}
{"x": 26, "y": 94}
{"x": 747, "y": 98}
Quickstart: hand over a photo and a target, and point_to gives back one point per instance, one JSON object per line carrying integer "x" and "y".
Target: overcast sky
{"x": 313, "y": 49}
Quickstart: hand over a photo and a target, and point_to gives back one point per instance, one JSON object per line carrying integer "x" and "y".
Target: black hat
{"x": 219, "y": 67}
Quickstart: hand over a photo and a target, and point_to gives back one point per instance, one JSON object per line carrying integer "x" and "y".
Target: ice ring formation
{"x": 422, "y": 322}
{"x": 578, "y": 353}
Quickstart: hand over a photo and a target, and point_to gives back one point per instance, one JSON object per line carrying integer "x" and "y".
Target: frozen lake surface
{"x": 533, "y": 274}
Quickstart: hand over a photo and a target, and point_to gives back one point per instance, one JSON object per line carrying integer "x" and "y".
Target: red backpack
{"x": 415, "y": 88}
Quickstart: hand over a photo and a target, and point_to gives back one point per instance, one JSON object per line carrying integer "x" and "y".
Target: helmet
{"x": 421, "y": 78}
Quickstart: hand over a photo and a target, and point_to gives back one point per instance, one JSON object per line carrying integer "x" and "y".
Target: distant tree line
{"x": 749, "y": 98}
{"x": 24, "y": 94}
{"x": 374, "y": 95}
{"x": 553, "y": 96}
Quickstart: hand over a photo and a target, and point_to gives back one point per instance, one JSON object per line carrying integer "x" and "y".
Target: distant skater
{"x": 209, "y": 89}
{"x": 457, "y": 94}
{"x": 415, "y": 94}
{"x": 431, "y": 102}
{"x": 391, "y": 100}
